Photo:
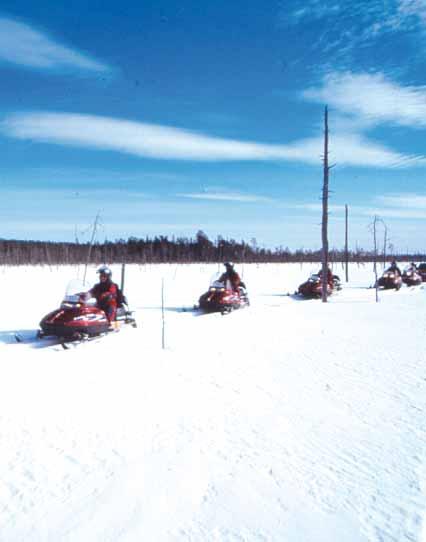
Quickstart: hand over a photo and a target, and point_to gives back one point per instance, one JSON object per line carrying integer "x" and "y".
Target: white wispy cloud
{"x": 410, "y": 200}
{"x": 164, "y": 142}
{"x": 398, "y": 206}
{"x": 358, "y": 32}
{"x": 301, "y": 10}
{"x": 141, "y": 139}
{"x": 373, "y": 97}
{"x": 227, "y": 196}
{"x": 358, "y": 20}
{"x": 384, "y": 212}
{"x": 352, "y": 149}
{"x": 24, "y": 45}
{"x": 407, "y": 9}
{"x": 317, "y": 207}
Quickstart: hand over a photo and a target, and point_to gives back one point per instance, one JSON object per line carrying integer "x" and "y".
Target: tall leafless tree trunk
{"x": 324, "y": 229}
{"x": 346, "y": 245}
{"x": 376, "y": 284}
{"x": 385, "y": 244}
{"x": 94, "y": 229}
{"x": 123, "y": 275}
{"x": 163, "y": 321}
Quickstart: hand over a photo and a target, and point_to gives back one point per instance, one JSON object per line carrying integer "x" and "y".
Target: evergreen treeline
{"x": 161, "y": 249}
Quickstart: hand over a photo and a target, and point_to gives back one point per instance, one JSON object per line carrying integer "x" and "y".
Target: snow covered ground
{"x": 291, "y": 420}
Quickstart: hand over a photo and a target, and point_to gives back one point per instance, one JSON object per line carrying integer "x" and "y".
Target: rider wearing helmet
{"x": 105, "y": 292}
{"x": 329, "y": 275}
{"x": 231, "y": 275}
{"x": 394, "y": 267}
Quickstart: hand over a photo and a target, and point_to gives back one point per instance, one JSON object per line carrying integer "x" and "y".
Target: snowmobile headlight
{"x": 213, "y": 289}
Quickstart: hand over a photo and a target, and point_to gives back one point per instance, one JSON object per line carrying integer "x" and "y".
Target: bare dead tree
{"x": 346, "y": 245}
{"x": 76, "y": 234}
{"x": 324, "y": 224}
{"x": 376, "y": 283}
{"x": 92, "y": 239}
{"x": 123, "y": 275}
{"x": 163, "y": 321}
{"x": 385, "y": 244}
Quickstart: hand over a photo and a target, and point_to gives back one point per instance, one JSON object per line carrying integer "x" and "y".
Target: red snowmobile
{"x": 390, "y": 280}
{"x": 221, "y": 297}
{"x": 312, "y": 288}
{"x": 411, "y": 277}
{"x": 78, "y": 318}
{"x": 421, "y": 270}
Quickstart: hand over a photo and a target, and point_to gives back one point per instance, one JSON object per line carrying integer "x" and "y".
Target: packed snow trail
{"x": 289, "y": 420}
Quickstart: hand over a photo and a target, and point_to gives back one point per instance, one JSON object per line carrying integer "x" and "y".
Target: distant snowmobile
{"x": 411, "y": 277}
{"x": 220, "y": 297}
{"x": 79, "y": 319}
{"x": 390, "y": 280}
{"x": 421, "y": 270}
{"x": 312, "y": 288}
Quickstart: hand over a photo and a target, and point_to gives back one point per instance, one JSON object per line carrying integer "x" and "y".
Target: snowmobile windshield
{"x": 215, "y": 282}
{"x": 75, "y": 290}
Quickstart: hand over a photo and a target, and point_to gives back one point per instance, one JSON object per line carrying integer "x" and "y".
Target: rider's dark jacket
{"x": 106, "y": 297}
{"x": 233, "y": 277}
{"x": 393, "y": 267}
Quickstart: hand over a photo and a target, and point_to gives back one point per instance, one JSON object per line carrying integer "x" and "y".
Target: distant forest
{"x": 164, "y": 250}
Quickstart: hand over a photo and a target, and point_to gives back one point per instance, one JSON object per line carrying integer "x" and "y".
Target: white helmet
{"x": 104, "y": 270}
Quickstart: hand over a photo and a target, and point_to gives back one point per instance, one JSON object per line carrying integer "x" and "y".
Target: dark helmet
{"x": 105, "y": 270}
{"x": 229, "y": 265}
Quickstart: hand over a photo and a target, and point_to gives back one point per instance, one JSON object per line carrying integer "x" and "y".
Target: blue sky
{"x": 170, "y": 117}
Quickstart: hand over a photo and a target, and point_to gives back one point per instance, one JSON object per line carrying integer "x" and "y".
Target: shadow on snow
{"x": 25, "y": 336}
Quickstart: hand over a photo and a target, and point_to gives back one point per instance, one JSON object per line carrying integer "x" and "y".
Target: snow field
{"x": 290, "y": 420}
